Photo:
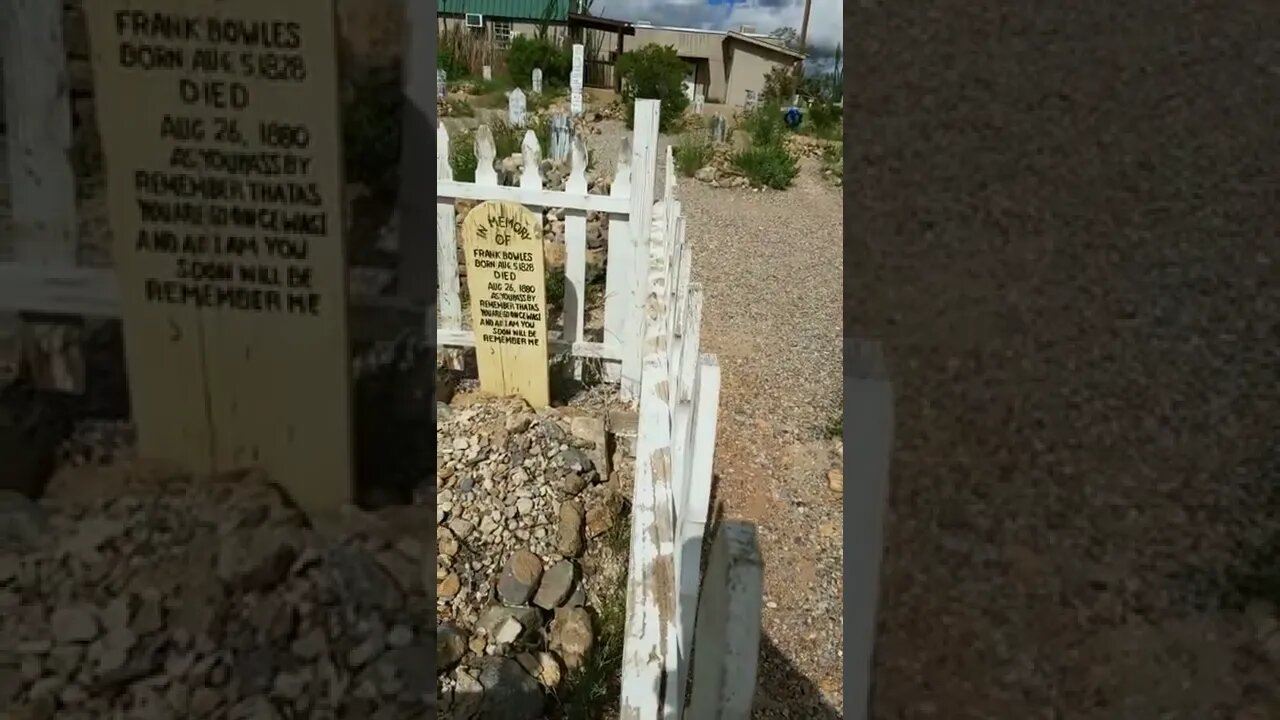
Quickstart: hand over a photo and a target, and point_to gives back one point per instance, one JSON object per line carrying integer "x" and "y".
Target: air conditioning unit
{"x": 475, "y": 20}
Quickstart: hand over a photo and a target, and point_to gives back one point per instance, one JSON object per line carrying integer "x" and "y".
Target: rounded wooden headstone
{"x": 502, "y": 242}
{"x": 516, "y": 105}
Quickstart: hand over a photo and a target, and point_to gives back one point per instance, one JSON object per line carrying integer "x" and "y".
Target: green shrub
{"x": 507, "y": 141}
{"x": 781, "y": 85}
{"x": 824, "y": 119}
{"x": 692, "y": 154}
{"x": 654, "y": 72}
{"x": 462, "y": 156}
{"x": 480, "y": 86}
{"x": 765, "y": 125}
{"x": 768, "y": 166}
{"x": 453, "y": 69}
{"x": 458, "y": 108}
{"x": 528, "y": 53}
{"x": 833, "y": 160}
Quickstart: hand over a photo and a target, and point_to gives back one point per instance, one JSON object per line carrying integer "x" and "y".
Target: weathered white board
{"x": 537, "y": 80}
{"x": 516, "y": 105}
{"x": 219, "y": 122}
{"x": 502, "y": 243}
{"x": 576, "y": 79}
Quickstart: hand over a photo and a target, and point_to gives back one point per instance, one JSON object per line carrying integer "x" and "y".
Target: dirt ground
{"x": 1063, "y": 227}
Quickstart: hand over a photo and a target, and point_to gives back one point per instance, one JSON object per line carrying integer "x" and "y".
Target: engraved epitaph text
{"x": 502, "y": 242}
{"x": 219, "y": 122}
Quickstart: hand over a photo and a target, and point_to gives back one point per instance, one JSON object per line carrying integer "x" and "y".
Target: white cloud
{"x": 826, "y": 20}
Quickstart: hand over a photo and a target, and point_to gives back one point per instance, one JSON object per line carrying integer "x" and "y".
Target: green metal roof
{"x": 555, "y": 10}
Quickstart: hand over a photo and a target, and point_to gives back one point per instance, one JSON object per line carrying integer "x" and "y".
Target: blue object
{"x": 793, "y": 116}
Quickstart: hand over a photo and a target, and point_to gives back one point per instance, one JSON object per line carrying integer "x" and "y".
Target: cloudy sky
{"x": 826, "y": 20}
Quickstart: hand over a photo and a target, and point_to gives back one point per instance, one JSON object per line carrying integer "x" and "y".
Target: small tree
{"x": 528, "y": 53}
{"x": 781, "y": 85}
{"x": 654, "y": 72}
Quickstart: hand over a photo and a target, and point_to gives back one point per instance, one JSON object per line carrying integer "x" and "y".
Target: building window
{"x": 502, "y": 33}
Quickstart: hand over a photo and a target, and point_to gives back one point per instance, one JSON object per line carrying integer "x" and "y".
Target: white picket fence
{"x": 653, "y": 320}
{"x": 630, "y": 196}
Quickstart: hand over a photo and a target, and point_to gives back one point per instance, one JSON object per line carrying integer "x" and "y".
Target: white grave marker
{"x": 441, "y": 82}
{"x": 537, "y": 80}
{"x": 698, "y": 100}
{"x": 487, "y": 72}
{"x": 516, "y": 107}
{"x": 575, "y": 79}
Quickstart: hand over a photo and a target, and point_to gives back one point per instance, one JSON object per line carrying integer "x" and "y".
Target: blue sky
{"x": 826, "y": 21}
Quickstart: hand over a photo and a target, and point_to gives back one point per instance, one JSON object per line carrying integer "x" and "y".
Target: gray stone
{"x": 257, "y": 559}
{"x": 22, "y": 522}
{"x": 74, "y": 624}
{"x": 575, "y": 460}
{"x": 451, "y": 645}
{"x": 399, "y": 636}
{"x": 573, "y": 483}
{"x": 571, "y": 636}
{"x": 310, "y": 645}
{"x": 415, "y": 669}
{"x": 496, "y": 616}
{"x": 557, "y": 585}
{"x": 361, "y": 584}
{"x": 510, "y": 693}
{"x": 569, "y": 530}
{"x": 364, "y": 653}
{"x": 519, "y": 577}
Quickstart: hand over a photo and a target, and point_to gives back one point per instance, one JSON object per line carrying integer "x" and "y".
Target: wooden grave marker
{"x": 219, "y": 124}
{"x": 576, "y": 78}
{"x": 502, "y": 242}
{"x": 516, "y": 106}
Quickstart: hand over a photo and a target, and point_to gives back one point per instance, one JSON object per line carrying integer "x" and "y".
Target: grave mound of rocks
{"x": 530, "y": 507}
{"x": 720, "y": 171}
{"x": 131, "y": 593}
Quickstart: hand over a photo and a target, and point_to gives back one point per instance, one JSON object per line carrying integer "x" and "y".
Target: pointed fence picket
{"x": 619, "y": 348}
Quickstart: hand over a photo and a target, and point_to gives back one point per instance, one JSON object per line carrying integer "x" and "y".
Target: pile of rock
{"x": 524, "y": 500}
{"x": 804, "y": 146}
{"x": 126, "y": 593}
{"x": 720, "y": 170}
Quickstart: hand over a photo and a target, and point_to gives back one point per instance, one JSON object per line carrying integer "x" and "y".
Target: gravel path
{"x": 1072, "y": 267}
{"x": 771, "y": 267}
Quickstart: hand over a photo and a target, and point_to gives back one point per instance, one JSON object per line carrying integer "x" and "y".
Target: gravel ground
{"x": 771, "y": 264}
{"x": 1073, "y": 269}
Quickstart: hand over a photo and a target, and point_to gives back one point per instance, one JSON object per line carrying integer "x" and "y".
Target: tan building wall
{"x": 694, "y": 45}
{"x": 749, "y": 64}
{"x": 727, "y": 66}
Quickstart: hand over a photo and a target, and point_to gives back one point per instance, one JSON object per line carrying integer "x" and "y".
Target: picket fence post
{"x": 644, "y": 161}
{"x": 450, "y": 297}
{"x": 575, "y": 253}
